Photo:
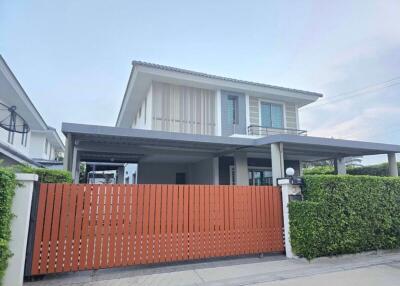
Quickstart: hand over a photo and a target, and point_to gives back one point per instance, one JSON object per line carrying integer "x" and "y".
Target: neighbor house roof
{"x": 14, "y": 94}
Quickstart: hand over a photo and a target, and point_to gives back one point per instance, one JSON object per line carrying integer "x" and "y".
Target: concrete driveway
{"x": 382, "y": 268}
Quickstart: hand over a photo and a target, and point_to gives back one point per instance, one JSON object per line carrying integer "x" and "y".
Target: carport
{"x": 201, "y": 154}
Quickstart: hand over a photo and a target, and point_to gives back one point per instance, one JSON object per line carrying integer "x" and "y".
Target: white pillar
{"x": 393, "y": 170}
{"x": 76, "y": 161}
{"x": 215, "y": 163}
{"x": 241, "y": 169}
{"x": 340, "y": 166}
{"x": 287, "y": 189}
{"x": 21, "y": 208}
{"x": 277, "y": 162}
{"x": 67, "y": 153}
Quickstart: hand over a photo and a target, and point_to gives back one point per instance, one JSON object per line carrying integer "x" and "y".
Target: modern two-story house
{"x": 39, "y": 145}
{"x": 186, "y": 127}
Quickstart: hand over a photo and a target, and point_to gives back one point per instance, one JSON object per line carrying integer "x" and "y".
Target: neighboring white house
{"x": 186, "y": 127}
{"x": 41, "y": 146}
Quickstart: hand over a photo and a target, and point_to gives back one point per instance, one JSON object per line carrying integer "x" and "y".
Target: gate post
{"x": 287, "y": 190}
{"x": 21, "y": 208}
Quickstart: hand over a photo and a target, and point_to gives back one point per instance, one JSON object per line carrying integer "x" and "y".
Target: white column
{"x": 241, "y": 169}
{"x": 277, "y": 162}
{"x": 287, "y": 189}
{"x": 75, "y": 165}
{"x": 67, "y": 153}
{"x": 215, "y": 163}
{"x": 393, "y": 170}
{"x": 21, "y": 208}
{"x": 340, "y": 166}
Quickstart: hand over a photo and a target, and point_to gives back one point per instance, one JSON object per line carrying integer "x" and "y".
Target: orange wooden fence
{"x": 82, "y": 227}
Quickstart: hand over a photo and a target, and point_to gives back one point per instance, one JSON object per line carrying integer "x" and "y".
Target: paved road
{"x": 363, "y": 269}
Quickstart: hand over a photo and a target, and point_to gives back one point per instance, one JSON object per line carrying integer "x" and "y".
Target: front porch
{"x": 178, "y": 158}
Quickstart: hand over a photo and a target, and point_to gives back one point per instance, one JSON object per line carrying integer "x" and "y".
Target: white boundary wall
{"x": 21, "y": 208}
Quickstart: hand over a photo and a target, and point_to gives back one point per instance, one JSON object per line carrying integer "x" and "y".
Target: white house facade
{"x": 40, "y": 145}
{"x": 186, "y": 127}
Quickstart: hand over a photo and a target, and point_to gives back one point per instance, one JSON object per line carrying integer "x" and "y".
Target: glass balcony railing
{"x": 266, "y": 131}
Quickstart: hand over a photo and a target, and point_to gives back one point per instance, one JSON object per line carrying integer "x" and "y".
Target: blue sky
{"x": 73, "y": 57}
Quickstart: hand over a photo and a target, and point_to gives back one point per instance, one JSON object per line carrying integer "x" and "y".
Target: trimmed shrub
{"x": 345, "y": 214}
{"x": 7, "y": 191}
{"x": 372, "y": 170}
{"x": 320, "y": 170}
{"x": 47, "y": 175}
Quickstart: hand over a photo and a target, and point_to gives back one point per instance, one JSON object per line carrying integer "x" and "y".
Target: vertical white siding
{"x": 254, "y": 110}
{"x": 291, "y": 115}
{"x": 183, "y": 109}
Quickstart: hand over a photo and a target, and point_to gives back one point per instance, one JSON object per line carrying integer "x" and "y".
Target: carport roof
{"x": 116, "y": 140}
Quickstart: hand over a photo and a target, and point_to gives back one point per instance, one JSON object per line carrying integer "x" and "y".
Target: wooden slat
{"x": 47, "y": 228}
{"x": 106, "y": 233}
{"x": 175, "y": 223}
{"x": 71, "y": 224}
{"x": 66, "y": 191}
{"x": 191, "y": 221}
{"x": 152, "y": 211}
{"x": 157, "y": 225}
{"x": 120, "y": 228}
{"x": 90, "y": 227}
{"x": 93, "y": 221}
{"x": 127, "y": 217}
{"x": 163, "y": 225}
{"x": 78, "y": 228}
{"x": 100, "y": 227}
{"x": 139, "y": 248}
{"x": 85, "y": 226}
{"x": 180, "y": 252}
{"x": 133, "y": 227}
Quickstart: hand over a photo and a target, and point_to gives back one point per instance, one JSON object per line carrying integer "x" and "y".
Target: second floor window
{"x": 233, "y": 112}
{"x": 272, "y": 115}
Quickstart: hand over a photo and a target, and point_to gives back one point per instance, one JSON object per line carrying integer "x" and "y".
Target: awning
{"x": 127, "y": 145}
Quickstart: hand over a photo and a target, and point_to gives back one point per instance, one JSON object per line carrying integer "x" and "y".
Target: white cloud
{"x": 369, "y": 124}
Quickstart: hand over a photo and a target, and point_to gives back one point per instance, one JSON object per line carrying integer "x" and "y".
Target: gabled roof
{"x": 206, "y": 75}
{"x": 143, "y": 73}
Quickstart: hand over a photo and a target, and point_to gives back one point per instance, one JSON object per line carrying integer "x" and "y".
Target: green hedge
{"x": 7, "y": 191}
{"x": 345, "y": 214}
{"x": 47, "y": 175}
{"x": 372, "y": 170}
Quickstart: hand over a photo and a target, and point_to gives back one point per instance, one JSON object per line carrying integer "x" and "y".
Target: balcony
{"x": 266, "y": 131}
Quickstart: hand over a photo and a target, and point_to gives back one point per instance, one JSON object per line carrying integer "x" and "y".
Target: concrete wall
{"x": 160, "y": 173}
{"x": 202, "y": 172}
{"x": 37, "y": 147}
{"x": 227, "y": 128}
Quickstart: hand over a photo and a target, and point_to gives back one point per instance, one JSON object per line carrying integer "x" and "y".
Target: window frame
{"x": 235, "y": 99}
{"x": 232, "y": 179}
{"x": 271, "y": 102}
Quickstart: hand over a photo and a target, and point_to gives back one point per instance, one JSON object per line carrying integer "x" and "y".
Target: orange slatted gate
{"x": 85, "y": 227}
